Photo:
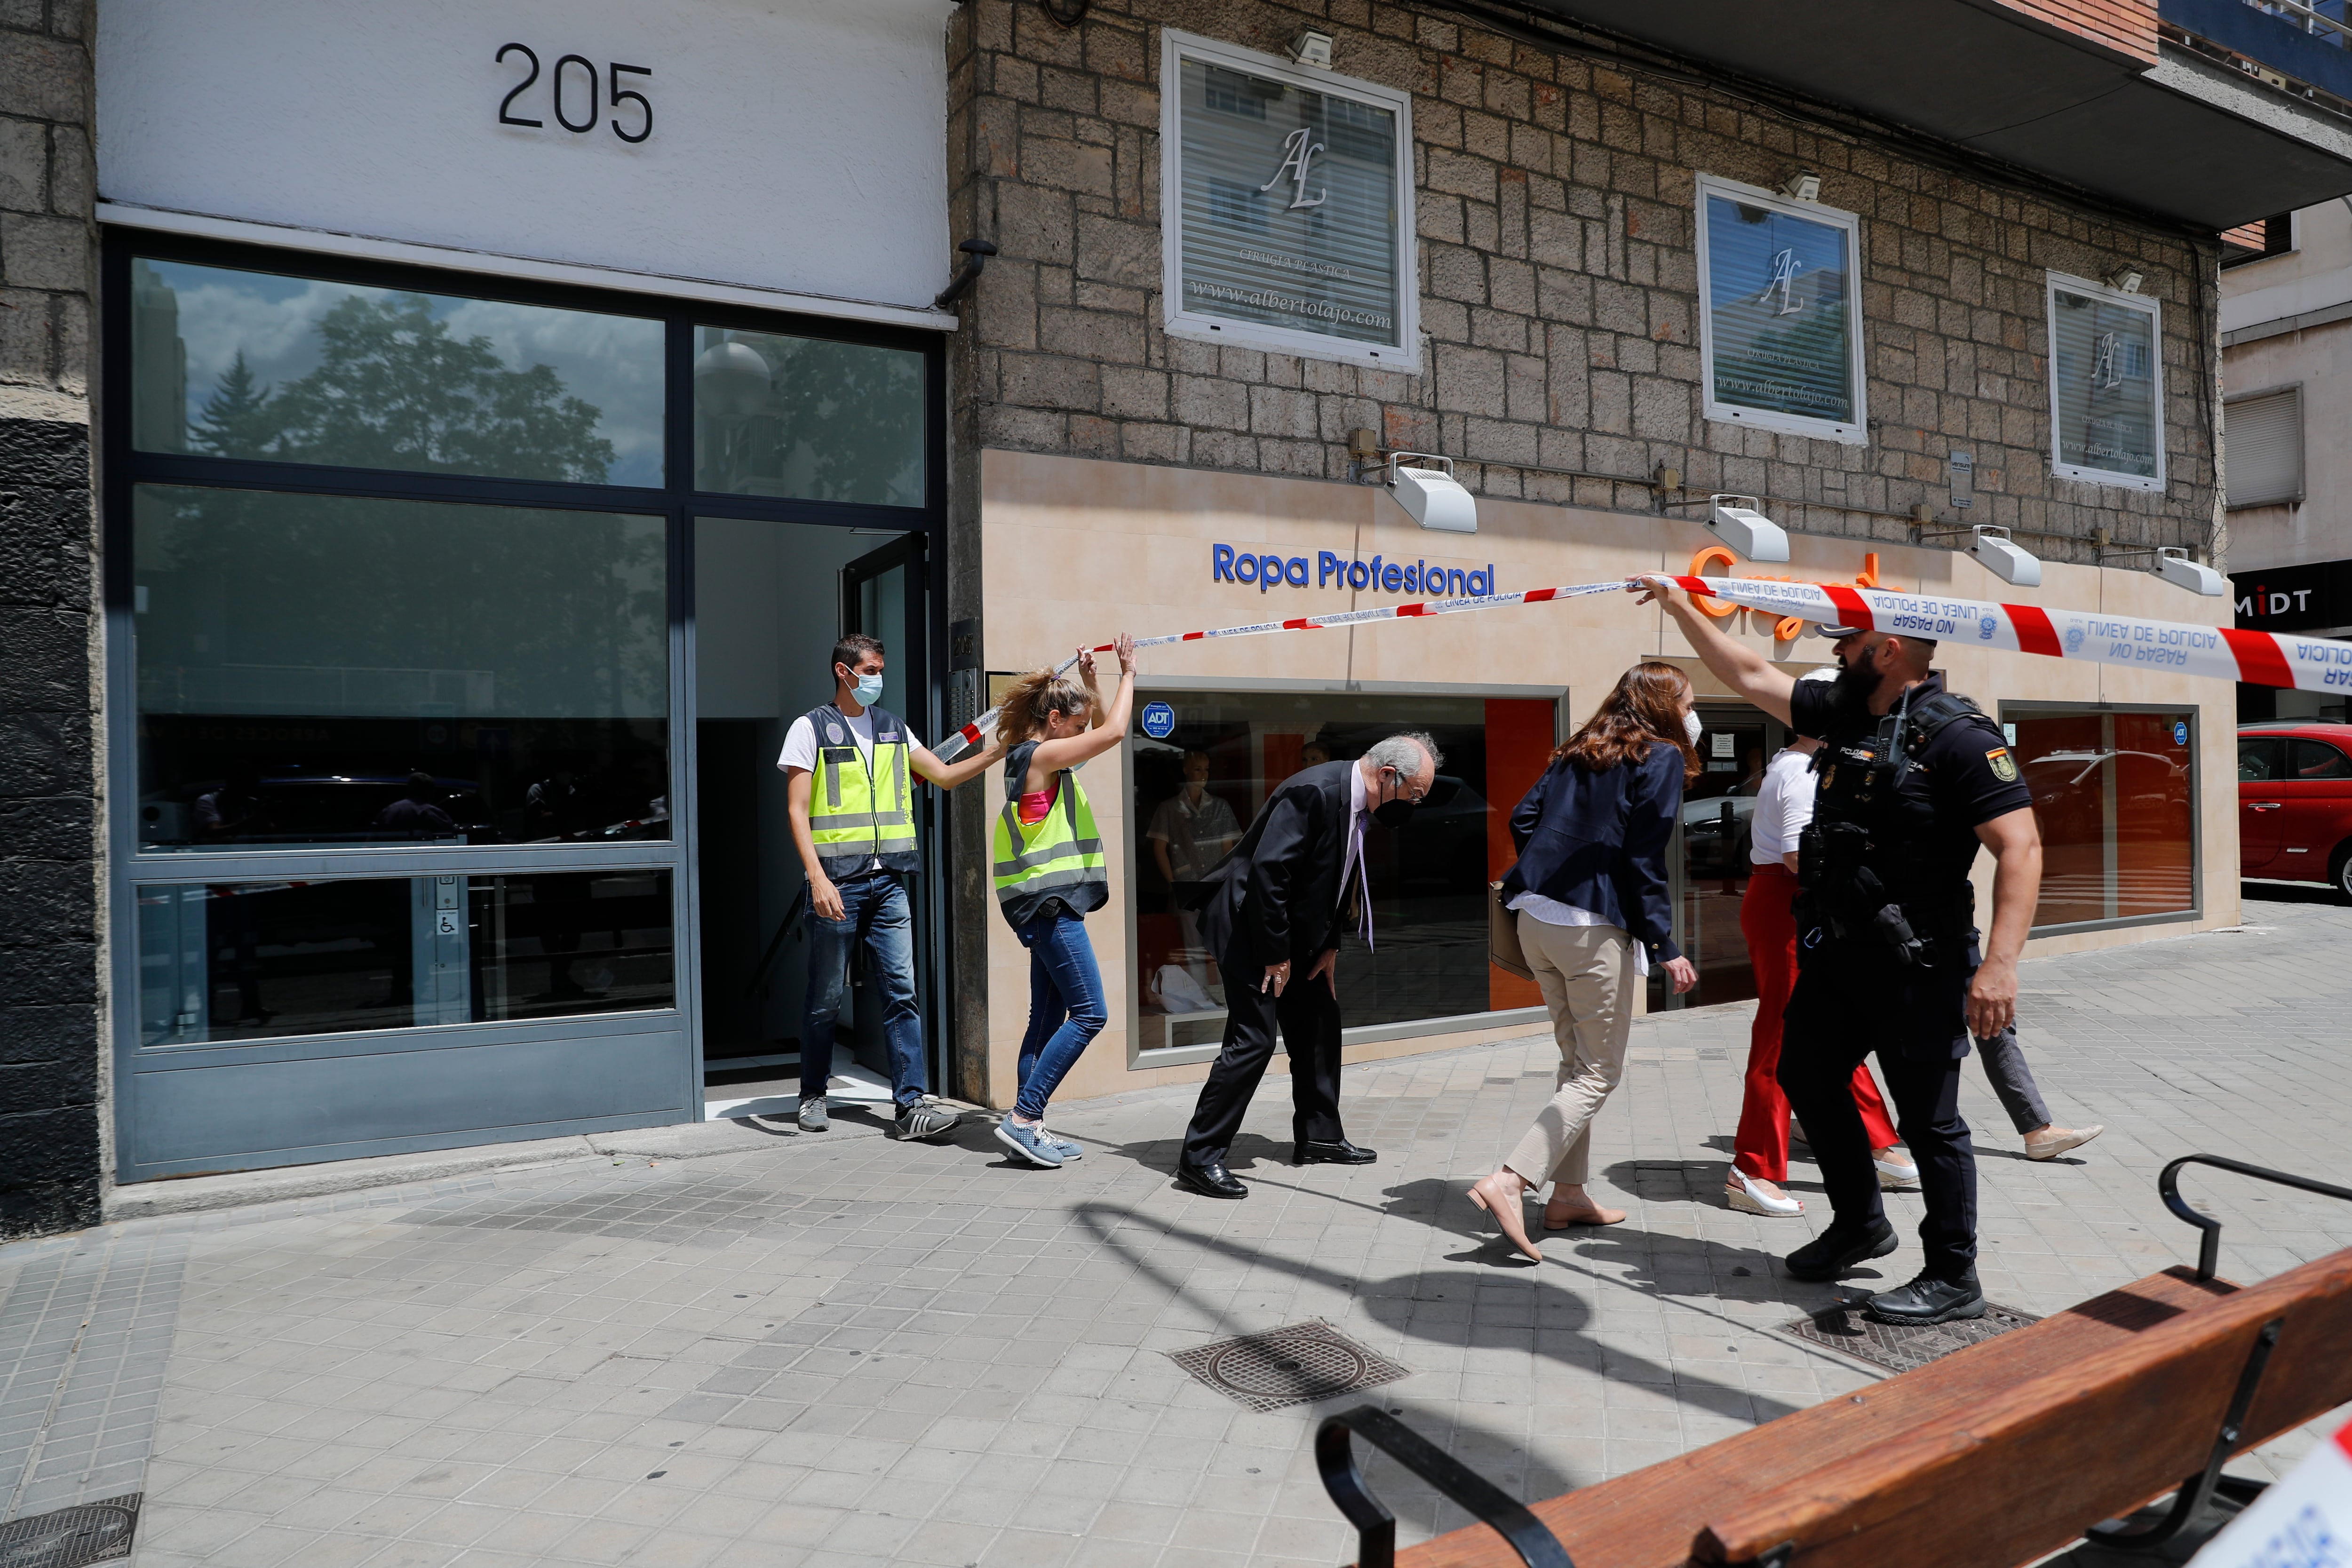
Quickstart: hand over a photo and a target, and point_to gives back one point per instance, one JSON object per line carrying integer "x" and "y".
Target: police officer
{"x": 852, "y": 808}
{"x": 1912, "y": 780}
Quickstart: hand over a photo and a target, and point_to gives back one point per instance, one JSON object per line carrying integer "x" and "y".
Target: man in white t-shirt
{"x": 855, "y": 877}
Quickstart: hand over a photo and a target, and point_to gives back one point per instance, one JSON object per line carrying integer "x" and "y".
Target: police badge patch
{"x": 2004, "y": 766}
{"x": 833, "y": 733}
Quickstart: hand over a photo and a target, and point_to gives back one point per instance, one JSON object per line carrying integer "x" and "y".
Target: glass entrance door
{"x": 770, "y": 599}
{"x": 1709, "y": 858}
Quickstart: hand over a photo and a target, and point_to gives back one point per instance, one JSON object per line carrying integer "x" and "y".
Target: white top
{"x": 1553, "y": 912}
{"x": 1784, "y": 804}
{"x": 800, "y": 740}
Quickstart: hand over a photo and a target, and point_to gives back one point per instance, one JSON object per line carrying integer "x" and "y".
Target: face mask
{"x": 1393, "y": 814}
{"x": 1692, "y": 728}
{"x": 867, "y": 689}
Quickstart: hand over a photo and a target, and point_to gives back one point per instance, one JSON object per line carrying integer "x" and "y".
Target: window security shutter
{"x": 2262, "y": 440}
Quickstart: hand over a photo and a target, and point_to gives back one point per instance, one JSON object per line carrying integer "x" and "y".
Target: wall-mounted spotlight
{"x": 2173, "y": 564}
{"x": 2175, "y": 567}
{"x": 1312, "y": 48}
{"x": 1431, "y": 496}
{"x": 1745, "y": 529}
{"x": 1989, "y": 543}
{"x": 2125, "y": 280}
{"x": 1803, "y": 186}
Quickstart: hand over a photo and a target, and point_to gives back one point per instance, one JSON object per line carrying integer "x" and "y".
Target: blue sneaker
{"x": 1062, "y": 1146}
{"x": 1028, "y": 1143}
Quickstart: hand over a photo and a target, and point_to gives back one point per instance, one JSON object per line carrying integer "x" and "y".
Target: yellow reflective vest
{"x": 858, "y": 815}
{"x": 1059, "y": 857}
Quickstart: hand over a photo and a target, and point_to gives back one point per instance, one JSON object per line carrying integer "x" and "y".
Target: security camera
{"x": 1432, "y": 497}
{"x": 2175, "y": 567}
{"x": 1803, "y": 187}
{"x": 1751, "y": 535}
{"x": 2004, "y": 559}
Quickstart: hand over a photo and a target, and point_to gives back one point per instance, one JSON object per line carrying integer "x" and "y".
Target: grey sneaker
{"x": 927, "y": 1121}
{"x": 813, "y": 1117}
{"x": 1061, "y": 1146}
{"x": 1028, "y": 1143}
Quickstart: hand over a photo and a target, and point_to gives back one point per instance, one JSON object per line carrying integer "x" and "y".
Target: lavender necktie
{"x": 1363, "y": 892}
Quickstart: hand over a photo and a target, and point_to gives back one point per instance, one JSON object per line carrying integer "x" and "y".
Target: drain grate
{"x": 1288, "y": 1366}
{"x": 1900, "y": 1347}
{"x": 69, "y": 1537}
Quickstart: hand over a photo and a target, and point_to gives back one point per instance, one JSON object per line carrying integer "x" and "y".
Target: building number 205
{"x": 557, "y": 81}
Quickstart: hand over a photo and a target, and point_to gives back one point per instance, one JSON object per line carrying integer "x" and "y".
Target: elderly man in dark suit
{"x": 1281, "y": 900}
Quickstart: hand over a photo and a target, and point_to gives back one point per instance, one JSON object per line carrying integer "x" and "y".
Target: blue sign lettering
{"x": 1267, "y": 572}
{"x": 1159, "y": 720}
{"x": 2180, "y": 732}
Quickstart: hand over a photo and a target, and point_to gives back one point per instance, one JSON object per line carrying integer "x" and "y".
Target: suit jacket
{"x": 1599, "y": 841}
{"x": 1277, "y": 891}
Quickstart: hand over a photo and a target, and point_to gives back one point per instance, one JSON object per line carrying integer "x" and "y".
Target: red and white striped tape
{"x": 955, "y": 743}
{"x": 2223, "y": 653}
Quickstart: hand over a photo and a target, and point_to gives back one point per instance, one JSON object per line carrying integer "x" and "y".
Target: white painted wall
{"x": 797, "y": 144}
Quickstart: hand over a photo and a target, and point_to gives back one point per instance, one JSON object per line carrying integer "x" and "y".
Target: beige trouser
{"x": 1586, "y": 975}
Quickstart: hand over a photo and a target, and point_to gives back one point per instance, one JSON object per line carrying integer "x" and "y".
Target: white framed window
{"x": 1779, "y": 321}
{"x": 1287, "y": 207}
{"x": 2262, "y": 446}
{"x": 2107, "y": 384}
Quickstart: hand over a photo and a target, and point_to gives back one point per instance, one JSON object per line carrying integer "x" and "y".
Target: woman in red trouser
{"x": 1769, "y": 923}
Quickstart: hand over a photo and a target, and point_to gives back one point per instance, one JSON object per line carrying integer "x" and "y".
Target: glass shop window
{"x": 229, "y": 363}
{"x": 807, "y": 419}
{"x": 321, "y": 670}
{"x": 254, "y": 961}
{"x": 1197, "y": 790}
{"x": 2115, "y": 795}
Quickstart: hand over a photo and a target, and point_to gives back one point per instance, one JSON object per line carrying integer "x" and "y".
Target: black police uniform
{"x": 1905, "y": 811}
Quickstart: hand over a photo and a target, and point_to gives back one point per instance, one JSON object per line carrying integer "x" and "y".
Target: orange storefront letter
{"x": 1698, "y": 565}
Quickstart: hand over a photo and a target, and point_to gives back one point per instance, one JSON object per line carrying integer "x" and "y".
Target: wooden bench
{"x": 1995, "y": 1455}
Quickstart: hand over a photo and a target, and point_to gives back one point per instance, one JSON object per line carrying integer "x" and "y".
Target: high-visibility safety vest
{"x": 858, "y": 815}
{"x": 1061, "y": 856}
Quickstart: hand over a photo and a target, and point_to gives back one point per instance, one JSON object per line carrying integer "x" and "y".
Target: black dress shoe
{"x": 1338, "y": 1152}
{"x": 1211, "y": 1181}
{"x": 1839, "y": 1248}
{"x": 1929, "y": 1300}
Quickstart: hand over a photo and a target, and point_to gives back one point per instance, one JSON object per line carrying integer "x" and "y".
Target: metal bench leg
{"x": 2198, "y": 1490}
{"x": 1335, "y": 1457}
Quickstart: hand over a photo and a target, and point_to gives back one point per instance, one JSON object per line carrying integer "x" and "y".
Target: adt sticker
{"x": 1159, "y": 720}
{"x": 2180, "y": 732}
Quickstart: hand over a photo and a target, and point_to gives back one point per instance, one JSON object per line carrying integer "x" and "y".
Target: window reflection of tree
{"x": 811, "y": 419}
{"x": 396, "y": 389}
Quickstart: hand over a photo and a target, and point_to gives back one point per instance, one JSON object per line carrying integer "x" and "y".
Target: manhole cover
{"x": 1899, "y": 1348}
{"x": 1288, "y": 1366}
{"x": 87, "y": 1532}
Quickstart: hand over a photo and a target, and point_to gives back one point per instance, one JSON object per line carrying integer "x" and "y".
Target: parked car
{"x": 2295, "y": 802}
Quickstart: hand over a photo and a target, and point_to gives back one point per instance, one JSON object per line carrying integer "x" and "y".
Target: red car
{"x": 2295, "y": 802}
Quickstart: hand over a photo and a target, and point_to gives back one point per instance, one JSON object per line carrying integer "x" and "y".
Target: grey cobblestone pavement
{"x": 833, "y": 1350}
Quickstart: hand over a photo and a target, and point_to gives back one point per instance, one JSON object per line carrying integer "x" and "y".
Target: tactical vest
{"x": 862, "y": 819}
{"x": 1059, "y": 856}
{"x": 1862, "y": 861}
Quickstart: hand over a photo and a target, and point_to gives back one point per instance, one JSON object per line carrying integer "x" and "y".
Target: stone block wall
{"x": 52, "y": 1025}
{"x": 1558, "y": 285}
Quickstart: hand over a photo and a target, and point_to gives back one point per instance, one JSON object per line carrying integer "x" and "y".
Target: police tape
{"x": 2223, "y": 653}
{"x": 970, "y": 734}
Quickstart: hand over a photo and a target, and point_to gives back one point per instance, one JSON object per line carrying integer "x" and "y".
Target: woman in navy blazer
{"x": 1590, "y": 887}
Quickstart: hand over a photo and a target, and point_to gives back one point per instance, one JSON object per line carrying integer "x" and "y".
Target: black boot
{"x": 1839, "y": 1248}
{"x": 1927, "y": 1299}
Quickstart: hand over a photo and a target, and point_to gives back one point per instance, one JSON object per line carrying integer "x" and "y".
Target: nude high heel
{"x": 1500, "y": 1194}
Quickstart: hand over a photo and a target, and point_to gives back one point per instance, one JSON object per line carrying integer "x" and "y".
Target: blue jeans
{"x": 874, "y": 909}
{"x": 1066, "y": 1007}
